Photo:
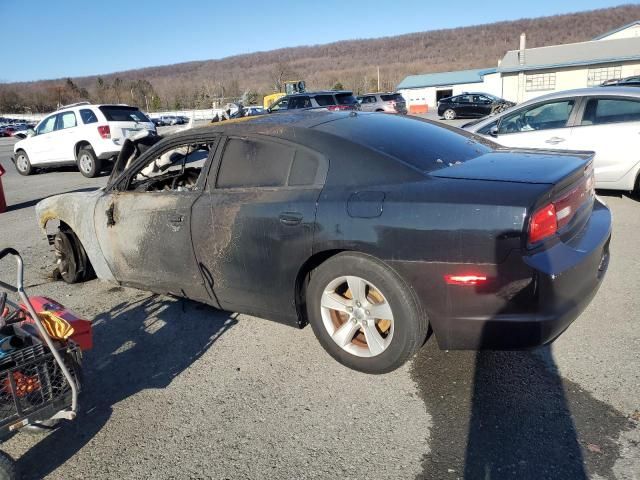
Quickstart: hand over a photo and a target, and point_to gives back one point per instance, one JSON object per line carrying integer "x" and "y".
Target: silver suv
{"x": 329, "y": 100}
{"x": 383, "y": 102}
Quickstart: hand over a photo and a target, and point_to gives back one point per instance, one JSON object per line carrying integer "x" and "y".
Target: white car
{"x": 80, "y": 134}
{"x": 605, "y": 120}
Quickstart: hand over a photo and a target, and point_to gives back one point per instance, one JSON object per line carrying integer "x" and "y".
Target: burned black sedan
{"x": 377, "y": 230}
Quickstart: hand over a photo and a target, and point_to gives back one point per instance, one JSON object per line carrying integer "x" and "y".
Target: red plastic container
{"x": 82, "y": 333}
{"x": 3, "y": 202}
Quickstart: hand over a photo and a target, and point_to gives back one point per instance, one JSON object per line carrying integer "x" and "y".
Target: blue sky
{"x": 53, "y": 39}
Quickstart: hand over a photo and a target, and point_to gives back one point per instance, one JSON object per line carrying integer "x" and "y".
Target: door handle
{"x": 176, "y": 219}
{"x": 290, "y": 218}
{"x": 555, "y": 140}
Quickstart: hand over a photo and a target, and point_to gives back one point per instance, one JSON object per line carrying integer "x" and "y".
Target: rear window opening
{"x": 121, "y": 113}
{"x": 420, "y": 143}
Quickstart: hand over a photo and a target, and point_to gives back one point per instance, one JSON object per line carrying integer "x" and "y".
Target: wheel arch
{"x": 318, "y": 258}
{"x": 71, "y": 212}
{"x": 302, "y": 281}
{"x": 79, "y": 145}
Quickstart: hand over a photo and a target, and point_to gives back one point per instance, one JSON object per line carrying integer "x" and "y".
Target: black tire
{"x": 8, "y": 467}
{"x": 72, "y": 262}
{"x": 449, "y": 114}
{"x": 88, "y": 164}
{"x": 410, "y": 323}
{"x": 23, "y": 164}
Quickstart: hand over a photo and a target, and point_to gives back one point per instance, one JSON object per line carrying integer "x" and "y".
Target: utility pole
{"x": 378, "y": 78}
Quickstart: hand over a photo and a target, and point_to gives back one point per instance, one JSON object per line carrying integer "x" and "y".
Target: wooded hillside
{"x": 351, "y": 64}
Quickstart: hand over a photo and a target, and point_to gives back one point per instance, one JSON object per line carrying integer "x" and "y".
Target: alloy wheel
{"x": 21, "y": 163}
{"x": 357, "y": 316}
{"x": 86, "y": 163}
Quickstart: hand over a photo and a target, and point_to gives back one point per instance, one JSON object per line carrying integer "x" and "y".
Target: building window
{"x": 596, "y": 76}
{"x": 540, "y": 81}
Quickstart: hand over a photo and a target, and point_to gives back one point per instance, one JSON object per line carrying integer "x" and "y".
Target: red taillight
{"x": 554, "y": 216}
{"x": 543, "y": 224}
{"x": 464, "y": 279}
{"x": 334, "y": 108}
{"x": 104, "y": 131}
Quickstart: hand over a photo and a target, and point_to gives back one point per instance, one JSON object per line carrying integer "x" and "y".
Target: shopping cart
{"x": 39, "y": 375}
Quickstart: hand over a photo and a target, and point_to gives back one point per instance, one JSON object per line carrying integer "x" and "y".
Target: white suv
{"x": 80, "y": 134}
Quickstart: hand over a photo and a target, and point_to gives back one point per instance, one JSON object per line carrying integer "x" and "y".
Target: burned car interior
{"x": 176, "y": 169}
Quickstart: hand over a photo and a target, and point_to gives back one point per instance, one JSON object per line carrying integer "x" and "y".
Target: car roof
{"x": 321, "y": 92}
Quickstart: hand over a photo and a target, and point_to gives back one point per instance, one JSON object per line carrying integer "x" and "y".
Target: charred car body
{"x": 375, "y": 229}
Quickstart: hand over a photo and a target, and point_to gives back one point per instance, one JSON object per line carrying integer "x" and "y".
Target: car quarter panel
{"x": 437, "y": 227}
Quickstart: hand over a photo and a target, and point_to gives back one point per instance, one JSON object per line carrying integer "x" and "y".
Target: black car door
{"x": 481, "y": 105}
{"x": 253, "y": 228}
{"x": 143, "y": 223}
{"x": 464, "y": 105}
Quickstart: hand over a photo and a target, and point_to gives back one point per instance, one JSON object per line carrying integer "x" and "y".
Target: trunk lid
{"x": 521, "y": 166}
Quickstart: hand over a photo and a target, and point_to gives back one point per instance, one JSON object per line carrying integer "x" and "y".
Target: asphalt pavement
{"x": 175, "y": 389}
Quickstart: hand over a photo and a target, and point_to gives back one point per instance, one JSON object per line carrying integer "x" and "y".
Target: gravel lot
{"x": 175, "y": 389}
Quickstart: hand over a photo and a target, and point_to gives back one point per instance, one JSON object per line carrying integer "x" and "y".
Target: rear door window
{"x": 254, "y": 163}
{"x": 395, "y": 97}
{"x": 66, "y": 120}
{"x": 599, "y": 111}
{"x": 324, "y": 100}
{"x": 122, "y": 113}
{"x": 543, "y": 116}
{"x": 346, "y": 99}
{"x": 88, "y": 116}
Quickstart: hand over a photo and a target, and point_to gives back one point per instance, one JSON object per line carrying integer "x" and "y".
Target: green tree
{"x": 156, "y": 103}
{"x": 337, "y": 86}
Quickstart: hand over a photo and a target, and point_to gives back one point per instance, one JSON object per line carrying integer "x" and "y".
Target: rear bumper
{"x": 540, "y": 298}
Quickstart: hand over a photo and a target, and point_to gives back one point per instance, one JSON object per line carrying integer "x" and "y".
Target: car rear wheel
{"x": 88, "y": 163}
{"x": 363, "y": 313}
{"x": 449, "y": 114}
{"x": 23, "y": 165}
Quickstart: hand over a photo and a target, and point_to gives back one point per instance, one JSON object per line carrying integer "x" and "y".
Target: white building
{"x": 530, "y": 72}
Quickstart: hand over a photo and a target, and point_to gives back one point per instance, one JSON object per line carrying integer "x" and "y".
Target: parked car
{"x": 252, "y": 110}
{"x": 329, "y": 100}
{"x": 157, "y": 121}
{"x": 605, "y": 120}
{"x": 9, "y": 130}
{"x": 169, "y": 120}
{"x": 471, "y": 105}
{"x": 383, "y": 102}
{"x": 80, "y": 134}
{"x": 623, "y": 82}
{"x": 375, "y": 229}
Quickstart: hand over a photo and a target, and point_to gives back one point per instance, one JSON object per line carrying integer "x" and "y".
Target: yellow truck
{"x": 290, "y": 87}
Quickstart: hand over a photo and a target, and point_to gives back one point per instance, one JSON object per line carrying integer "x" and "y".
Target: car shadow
{"x": 510, "y": 414}
{"x": 31, "y": 203}
{"x": 618, "y": 194}
{"x": 137, "y": 346}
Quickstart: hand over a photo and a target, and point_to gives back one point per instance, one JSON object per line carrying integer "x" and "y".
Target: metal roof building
{"x": 446, "y": 78}
{"x": 530, "y": 72}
